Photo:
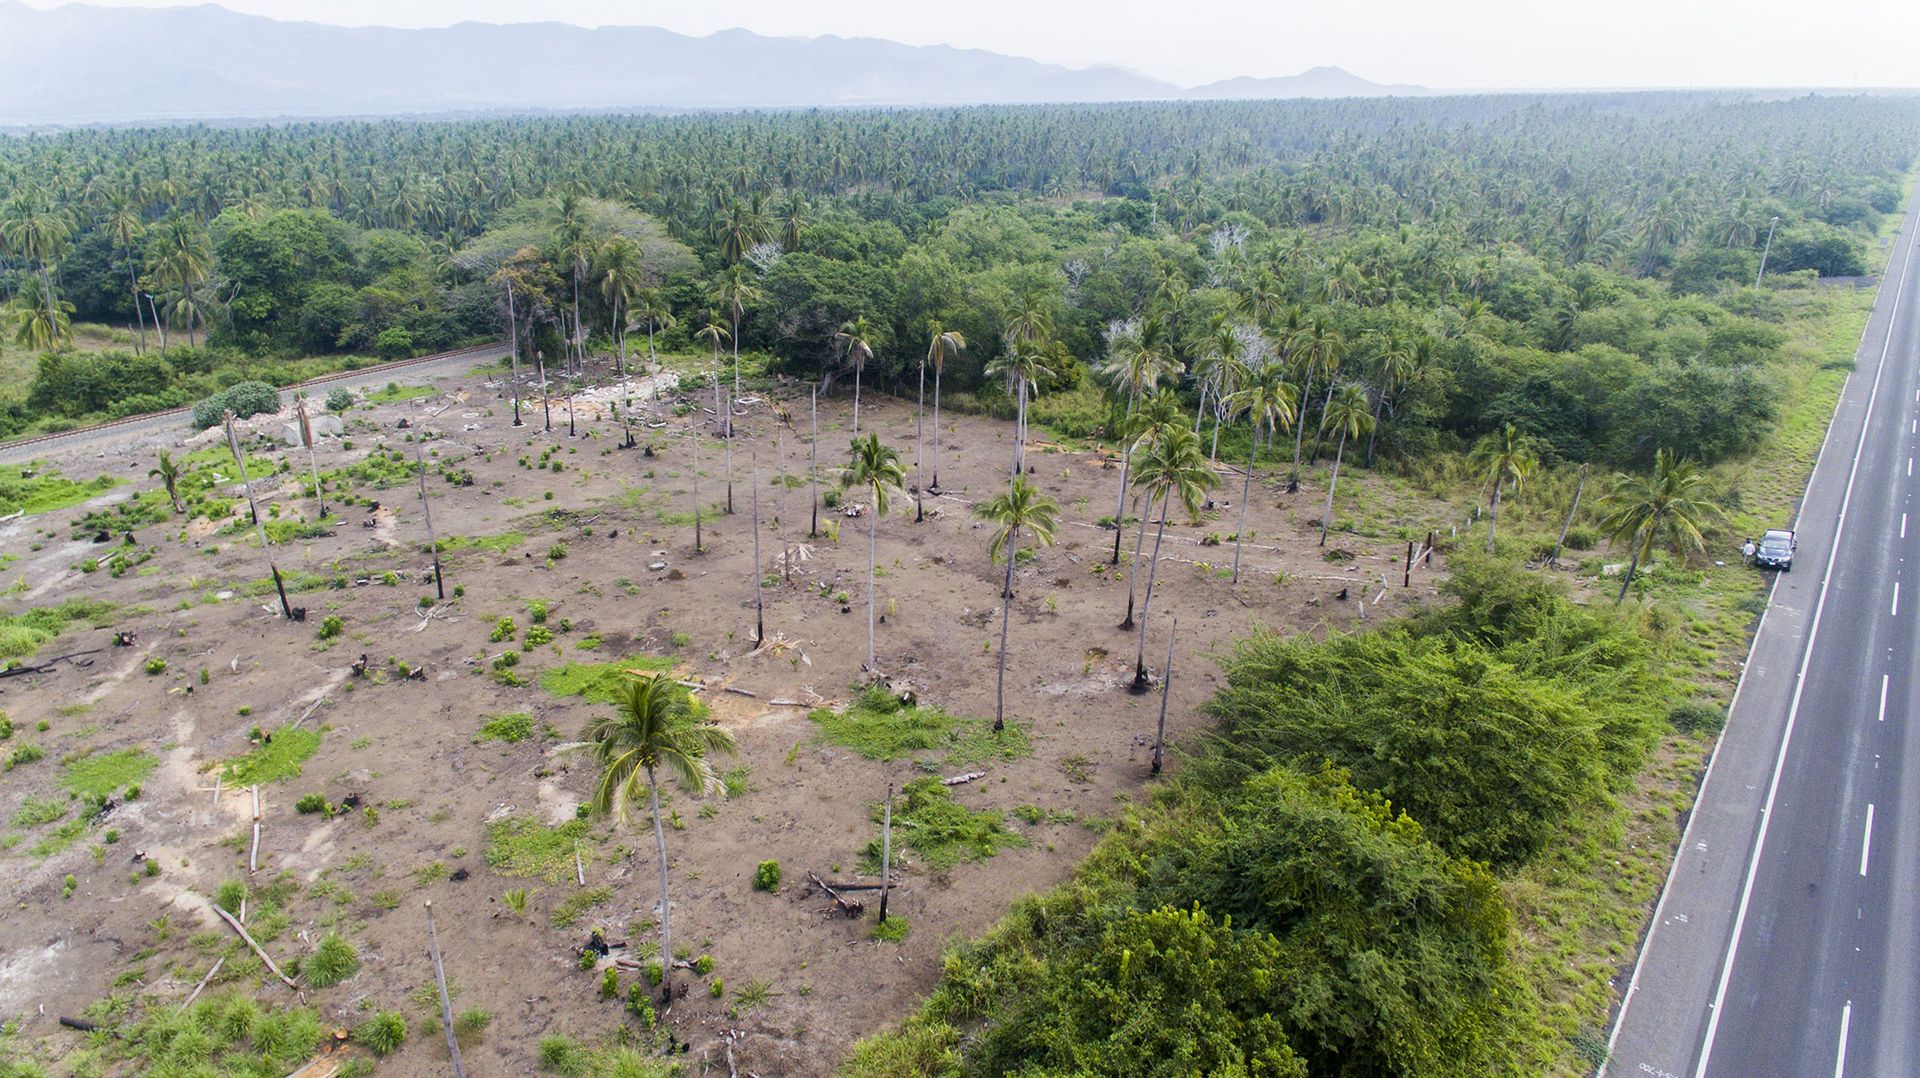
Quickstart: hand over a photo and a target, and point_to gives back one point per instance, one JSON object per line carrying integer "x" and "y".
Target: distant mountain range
{"x": 79, "y": 63}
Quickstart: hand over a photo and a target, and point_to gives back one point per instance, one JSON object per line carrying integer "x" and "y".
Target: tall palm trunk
{"x": 919, "y": 449}
{"x": 1140, "y": 679}
{"x": 729, "y": 444}
{"x": 857, "y": 368}
{"x": 936, "y": 428}
{"x": 1246, "y": 492}
{"x": 1633, "y": 564}
{"x": 1300, "y": 430}
{"x": 1006, "y": 614}
{"x": 736, "y": 359}
{"x": 1320, "y": 436}
{"x": 1120, "y": 499}
{"x": 1493, "y": 507}
{"x": 1326, "y": 517}
{"x": 719, "y": 414}
{"x": 1133, "y": 574}
{"x": 666, "y": 932}
{"x": 133, "y": 283}
{"x": 1379, "y": 404}
{"x": 813, "y": 464}
{"x": 873, "y": 545}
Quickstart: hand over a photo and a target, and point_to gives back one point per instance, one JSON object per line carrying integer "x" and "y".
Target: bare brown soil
{"x": 406, "y": 746}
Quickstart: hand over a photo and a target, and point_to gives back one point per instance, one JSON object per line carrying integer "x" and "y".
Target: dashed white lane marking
{"x": 1866, "y": 841}
{"x": 1840, "y": 1061}
{"x": 1883, "y": 697}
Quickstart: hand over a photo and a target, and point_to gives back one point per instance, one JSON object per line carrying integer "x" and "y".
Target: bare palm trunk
{"x": 873, "y": 545}
{"x": 1578, "y": 486}
{"x": 1006, "y": 614}
{"x": 919, "y": 449}
{"x": 1493, "y": 508}
{"x": 1320, "y": 435}
{"x": 1326, "y": 518}
{"x": 936, "y": 428}
{"x": 513, "y": 336}
{"x": 666, "y": 932}
{"x": 1379, "y": 404}
{"x": 1120, "y": 499}
{"x": 696, "y": 491}
{"x": 736, "y": 361}
{"x": 1632, "y": 565}
{"x": 1299, "y": 431}
{"x": 133, "y": 282}
{"x": 813, "y": 465}
{"x": 759, "y": 603}
{"x": 1140, "y": 679}
{"x": 1133, "y": 572}
{"x": 857, "y": 368}
{"x": 1246, "y": 492}
{"x": 729, "y": 450}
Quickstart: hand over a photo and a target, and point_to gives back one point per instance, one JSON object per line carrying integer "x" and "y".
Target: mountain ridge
{"x": 82, "y": 63}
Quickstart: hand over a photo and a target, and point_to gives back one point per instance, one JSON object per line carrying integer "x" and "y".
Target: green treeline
{"x": 1319, "y": 891}
{"x": 1579, "y": 266}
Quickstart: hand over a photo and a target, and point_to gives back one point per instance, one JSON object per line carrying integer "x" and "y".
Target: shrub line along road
{"x": 26, "y": 449}
{"x": 1787, "y": 938}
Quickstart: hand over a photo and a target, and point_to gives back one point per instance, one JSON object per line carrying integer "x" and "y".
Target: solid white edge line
{"x": 1840, "y": 1059}
{"x": 1800, "y": 679}
{"x": 1866, "y": 839}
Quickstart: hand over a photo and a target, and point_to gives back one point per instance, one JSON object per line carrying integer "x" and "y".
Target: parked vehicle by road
{"x": 1776, "y": 551}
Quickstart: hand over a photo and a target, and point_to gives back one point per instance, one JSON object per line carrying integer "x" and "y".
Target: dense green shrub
{"x": 243, "y": 400}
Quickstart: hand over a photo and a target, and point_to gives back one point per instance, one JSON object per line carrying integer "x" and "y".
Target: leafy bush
{"x": 330, "y": 627}
{"x": 511, "y": 728}
{"x": 310, "y": 803}
{"x": 339, "y": 399}
{"x": 243, "y": 399}
{"x": 767, "y": 876}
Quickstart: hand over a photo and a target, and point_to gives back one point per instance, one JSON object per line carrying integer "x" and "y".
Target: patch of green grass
{"x": 894, "y": 929}
{"x": 600, "y": 683}
{"x": 942, "y": 831}
{"x": 499, "y": 544}
{"x": 23, "y": 634}
{"x": 523, "y": 846}
{"x": 35, "y": 811}
{"x": 879, "y": 727}
{"x": 100, "y": 775}
{"x": 61, "y": 837}
{"x": 567, "y": 913}
{"x": 49, "y": 492}
{"x": 394, "y": 391}
{"x": 512, "y": 728}
{"x": 279, "y": 759}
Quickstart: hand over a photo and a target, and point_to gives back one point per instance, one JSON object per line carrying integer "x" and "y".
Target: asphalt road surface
{"x": 1787, "y": 940}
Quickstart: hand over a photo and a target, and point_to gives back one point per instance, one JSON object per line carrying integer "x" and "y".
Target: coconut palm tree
{"x": 654, "y": 729}
{"x": 183, "y": 257}
{"x": 1267, "y": 401}
{"x": 942, "y": 345}
{"x": 1345, "y": 412}
{"x": 735, "y": 291}
{"x": 41, "y": 324}
{"x": 169, "y": 473}
{"x": 123, "y": 225}
{"x": 856, "y": 337}
{"x": 1505, "y": 454}
{"x": 1140, "y": 356}
{"x": 1021, "y": 367}
{"x": 1668, "y": 508}
{"x": 1158, "y": 413}
{"x": 33, "y": 228}
{"x": 1022, "y": 506}
{"x": 876, "y": 468}
{"x": 1173, "y": 466}
{"x": 739, "y": 228}
{"x": 650, "y": 306}
{"x": 1318, "y": 347}
{"x": 622, "y": 274}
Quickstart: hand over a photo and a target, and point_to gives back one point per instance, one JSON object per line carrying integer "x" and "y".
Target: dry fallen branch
{"x": 968, "y": 777}
{"x": 852, "y": 907}
{"x": 257, "y": 949}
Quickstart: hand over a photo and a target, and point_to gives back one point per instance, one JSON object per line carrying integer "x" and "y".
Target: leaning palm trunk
{"x": 1006, "y": 613}
{"x": 1133, "y": 572}
{"x": 1633, "y": 564}
{"x": 1140, "y": 679}
{"x": 1326, "y": 518}
{"x": 666, "y": 932}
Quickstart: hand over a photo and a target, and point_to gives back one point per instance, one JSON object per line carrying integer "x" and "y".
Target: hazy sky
{"x": 1445, "y": 43}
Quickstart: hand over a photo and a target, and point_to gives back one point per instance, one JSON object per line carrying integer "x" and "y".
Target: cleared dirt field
{"x": 601, "y": 537}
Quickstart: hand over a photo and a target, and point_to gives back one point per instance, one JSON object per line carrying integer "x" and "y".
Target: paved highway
{"x": 1787, "y": 939}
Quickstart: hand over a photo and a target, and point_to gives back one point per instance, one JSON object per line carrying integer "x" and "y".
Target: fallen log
{"x": 850, "y": 906}
{"x": 257, "y": 949}
{"x": 198, "y": 988}
{"x": 23, "y": 671}
{"x": 740, "y": 692}
{"x": 959, "y": 779}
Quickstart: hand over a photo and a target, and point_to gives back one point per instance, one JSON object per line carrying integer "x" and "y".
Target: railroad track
{"x": 374, "y": 371}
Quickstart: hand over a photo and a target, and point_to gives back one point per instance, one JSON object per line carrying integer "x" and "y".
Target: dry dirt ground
{"x": 629, "y": 576}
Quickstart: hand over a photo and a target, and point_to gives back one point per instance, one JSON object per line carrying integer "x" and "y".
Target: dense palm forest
{"x": 1571, "y": 265}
